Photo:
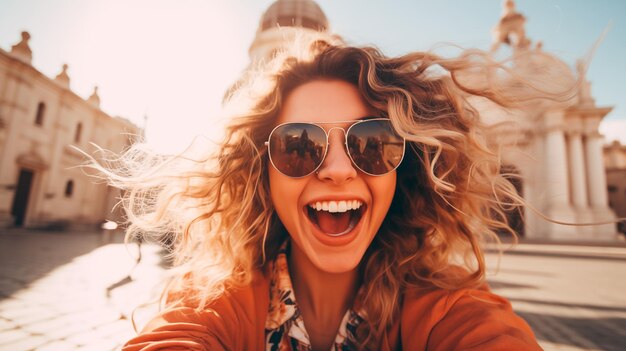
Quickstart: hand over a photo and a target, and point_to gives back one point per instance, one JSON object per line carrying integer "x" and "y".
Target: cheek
{"x": 383, "y": 189}
{"x": 285, "y": 193}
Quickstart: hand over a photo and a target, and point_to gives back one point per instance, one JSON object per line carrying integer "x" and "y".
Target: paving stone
{"x": 10, "y": 336}
{"x": 101, "y": 345}
{"x": 24, "y": 344}
{"x": 6, "y": 324}
{"x": 66, "y": 331}
{"x": 37, "y": 316}
{"x": 121, "y": 327}
{"x": 57, "y": 346}
{"x": 19, "y": 312}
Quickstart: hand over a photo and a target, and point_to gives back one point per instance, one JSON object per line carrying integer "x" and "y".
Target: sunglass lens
{"x": 297, "y": 149}
{"x": 374, "y": 146}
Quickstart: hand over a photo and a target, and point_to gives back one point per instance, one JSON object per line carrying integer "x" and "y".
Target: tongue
{"x": 333, "y": 223}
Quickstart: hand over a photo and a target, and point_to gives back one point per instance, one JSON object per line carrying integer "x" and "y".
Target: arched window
{"x": 79, "y": 130}
{"x": 69, "y": 188}
{"x": 41, "y": 109}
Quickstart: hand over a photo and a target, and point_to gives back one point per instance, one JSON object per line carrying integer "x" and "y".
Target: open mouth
{"x": 335, "y": 218}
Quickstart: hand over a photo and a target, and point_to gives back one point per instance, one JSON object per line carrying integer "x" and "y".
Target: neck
{"x": 323, "y": 296}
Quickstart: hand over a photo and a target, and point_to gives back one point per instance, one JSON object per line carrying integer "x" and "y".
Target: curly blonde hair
{"x": 449, "y": 196}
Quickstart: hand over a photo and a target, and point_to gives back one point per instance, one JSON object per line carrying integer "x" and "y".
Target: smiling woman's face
{"x": 332, "y": 242}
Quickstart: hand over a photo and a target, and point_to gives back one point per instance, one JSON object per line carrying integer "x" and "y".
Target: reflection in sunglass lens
{"x": 297, "y": 149}
{"x": 374, "y": 146}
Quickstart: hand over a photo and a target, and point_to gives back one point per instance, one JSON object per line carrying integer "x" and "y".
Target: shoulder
{"x": 464, "y": 319}
{"x": 234, "y": 321}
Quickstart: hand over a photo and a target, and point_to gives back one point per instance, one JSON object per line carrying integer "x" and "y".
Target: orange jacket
{"x": 431, "y": 319}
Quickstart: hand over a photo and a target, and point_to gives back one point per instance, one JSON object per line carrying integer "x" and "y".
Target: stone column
{"x": 556, "y": 168}
{"x": 595, "y": 170}
{"x": 598, "y": 197}
{"x": 578, "y": 183}
{"x": 557, "y": 200}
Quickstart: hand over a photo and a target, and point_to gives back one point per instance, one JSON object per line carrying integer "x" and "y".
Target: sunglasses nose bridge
{"x": 337, "y": 165}
{"x": 336, "y": 128}
{"x": 329, "y": 137}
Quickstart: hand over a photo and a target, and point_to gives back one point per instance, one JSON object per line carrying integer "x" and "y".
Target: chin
{"x": 338, "y": 263}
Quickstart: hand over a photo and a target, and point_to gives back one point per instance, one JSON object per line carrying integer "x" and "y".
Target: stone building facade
{"x": 554, "y": 146}
{"x": 552, "y": 149}
{"x": 41, "y": 120}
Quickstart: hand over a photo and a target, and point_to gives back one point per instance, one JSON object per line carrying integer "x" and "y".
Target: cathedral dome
{"x": 294, "y": 13}
{"x": 545, "y": 70}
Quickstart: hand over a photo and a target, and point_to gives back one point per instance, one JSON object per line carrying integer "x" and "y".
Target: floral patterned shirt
{"x": 284, "y": 327}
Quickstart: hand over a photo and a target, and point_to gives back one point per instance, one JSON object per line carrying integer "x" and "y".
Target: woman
{"x": 344, "y": 210}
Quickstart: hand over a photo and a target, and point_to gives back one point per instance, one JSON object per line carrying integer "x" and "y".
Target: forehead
{"x": 324, "y": 101}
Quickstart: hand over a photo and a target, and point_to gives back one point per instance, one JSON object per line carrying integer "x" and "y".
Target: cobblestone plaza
{"x": 73, "y": 291}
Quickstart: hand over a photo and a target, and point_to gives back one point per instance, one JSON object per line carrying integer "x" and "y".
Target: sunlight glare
{"x": 189, "y": 55}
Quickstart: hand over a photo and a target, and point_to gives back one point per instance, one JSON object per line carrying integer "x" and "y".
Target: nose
{"x": 337, "y": 167}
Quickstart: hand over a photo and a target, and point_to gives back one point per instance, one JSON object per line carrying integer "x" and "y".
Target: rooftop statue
{"x": 22, "y": 50}
{"x": 94, "y": 99}
{"x": 510, "y": 29}
{"x": 63, "y": 78}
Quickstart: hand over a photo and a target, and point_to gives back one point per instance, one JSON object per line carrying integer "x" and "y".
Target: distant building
{"x": 615, "y": 161}
{"x": 40, "y": 119}
{"x": 280, "y": 24}
{"x": 554, "y": 146}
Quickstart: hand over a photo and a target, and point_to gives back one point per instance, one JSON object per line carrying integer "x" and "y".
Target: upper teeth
{"x": 336, "y": 206}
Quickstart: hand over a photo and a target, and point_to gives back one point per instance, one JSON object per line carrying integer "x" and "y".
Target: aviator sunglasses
{"x": 297, "y": 149}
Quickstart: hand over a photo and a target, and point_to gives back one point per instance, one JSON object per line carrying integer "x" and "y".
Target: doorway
{"x": 22, "y": 194}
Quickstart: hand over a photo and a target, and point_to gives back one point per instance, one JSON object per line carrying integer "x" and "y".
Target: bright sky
{"x": 172, "y": 60}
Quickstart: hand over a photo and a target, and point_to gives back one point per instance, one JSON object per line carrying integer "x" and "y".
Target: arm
{"x": 184, "y": 328}
{"x": 465, "y": 320}
{"x": 236, "y": 321}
